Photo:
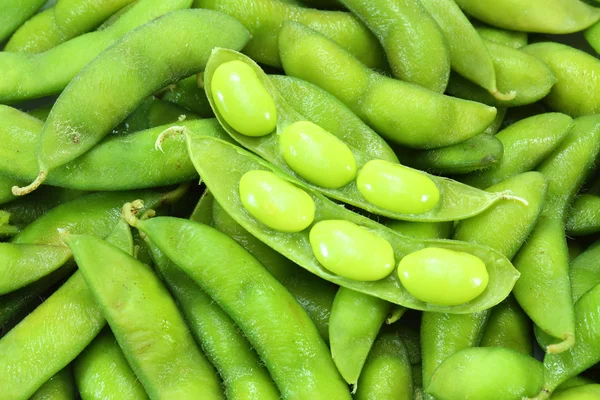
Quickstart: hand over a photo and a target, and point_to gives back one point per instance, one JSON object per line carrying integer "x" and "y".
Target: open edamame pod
{"x": 584, "y": 216}
{"x": 272, "y": 320}
{"x": 584, "y": 271}
{"x": 528, "y": 77}
{"x": 37, "y": 75}
{"x": 60, "y": 387}
{"x": 223, "y": 179}
{"x": 398, "y": 111}
{"x": 264, "y": 17}
{"x": 577, "y": 88}
{"x": 54, "y": 333}
{"x": 183, "y": 41}
{"x": 329, "y": 163}
{"x": 140, "y": 311}
{"x": 542, "y": 16}
{"x": 13, "y": 13}
{"x": 413, "y": 42}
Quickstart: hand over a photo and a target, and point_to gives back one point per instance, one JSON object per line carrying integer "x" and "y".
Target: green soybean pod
{"x": 486, "y": 373}
{"x": 59, "y": 387}
{"x": 509, "y": 327}
{"x": 414, "y": 44}
{"x": 468, "y": 54}
{"x": 223, "y": 183}
{"x": 355, "y": 321}
{"x": 584, "y": 216}
{"x": 75, "y": 319}
{"x": 145, "y": 320}
{"x": 31, "y": 76}
{"x": 37, "y": 35}
{"x": 14, "y": 13}
{"x": 416, "y": 122}
{"x": 514, "y": 39}
{"x": 572, "y": 67}
{"x": 584, "y": 271}
{"x": 422, "y": 230}
{"x": 6, "y": 184}
{"x": 183, "y": 43}
{"x": 584, "y": 392}
{"x": 74, "y": 17}
{"x": 263, "y": 19}
{"x": 455, "y": 201}
{"x": 244, "y": 377}
{"x": 102, "y": 371}
{"x": 264, "y": 310}
{"x": 526, "y": 144}
{"x": 387, "y": 373}
{"x": 528, "y": 77}
{"x": 541, "y": 16}
{"x": 188, "y": 94}
{"x": 576, "y": 381}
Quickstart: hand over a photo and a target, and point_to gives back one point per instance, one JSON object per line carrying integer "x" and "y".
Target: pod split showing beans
{"x": 312, "y": 159}
{"x": 223, "y": 182}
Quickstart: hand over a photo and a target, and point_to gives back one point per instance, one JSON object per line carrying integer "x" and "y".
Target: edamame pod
{"x": 584, "y": 216}
{"x": 6, "y": 194}
{"x": 30, "y": 76}
{"x": 509, "y": 327}
{"x": 183, "y": 43}
{"x": 414, "y": 44}
{"x": 145, "y": 320}
{"x": 468, "y": 54}
{"x": 74, "y": 17}
{"x": 422, "y": 230}
{"x": 543, "y": 16}
{"x": 353, "y": 326}
{"x": 528, "y": 77}
{"x": 416, "y": 117}
{"x": 387, "y": 372}
{"x": 455, "y": 201}
{"x": 188, "y": 93}
{"x": 486, "y": 373}
{"x": 37, "y": 35}
{"x": 223, "y": 181}
{"x": 263, "y": 19}
{"x": 584, "y": 392}
{"x": 577, "y": 88}
{"x": 584, "y": 271}
{"x": 102, "y": 372}
{"x": 509, "y": 38}
{"x": 13, "y": 13}
{"x": 54, "y": 333}
{"x": 59, "y": 387}
{"x": 526, "y": 143}
{"x": 244, "y": 377}
{"x": 264, "y": 310}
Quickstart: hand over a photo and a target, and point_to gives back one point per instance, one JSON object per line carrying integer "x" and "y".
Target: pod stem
{"x": 130, "y": 212}
{"x": 22, "y": 191}
{"x": 544, "y": 394}
{"x": 565, "y": 345}
{"x": 503, "y": 96}
{"x": 173, "y": 130}
{"x": 508, "y": 195}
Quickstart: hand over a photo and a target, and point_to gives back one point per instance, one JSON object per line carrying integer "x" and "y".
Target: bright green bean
{"x": 420, "y": 119}
{"x": 13, "y": 13}
{"x": 584, "y": 216}
{"x": 584, "y": 271}
{"x": 146, "y": 322}
{"x": 509, "y": 327}
{"x": 59, "y": 387}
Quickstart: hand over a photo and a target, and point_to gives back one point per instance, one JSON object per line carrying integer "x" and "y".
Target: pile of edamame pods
{"x": 300, "y": 199}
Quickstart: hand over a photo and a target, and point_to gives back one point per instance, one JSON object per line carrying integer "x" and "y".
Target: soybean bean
{"x": 584, "y": 216}
{"x": 584, "y": 271}
{"x": 59, "y": 387}
{"x": 263, "y": 19}
{"x": 15, "y": 12}
{"x": 223, "y": 180}
{"x": 145, "y": 320}
{"x": 69, "y": 132}
{"x": 421, "y": 118}
{"x": 456, "y": 201}
{"x": 509, "y": 327}
{"x": 414, "y": 44}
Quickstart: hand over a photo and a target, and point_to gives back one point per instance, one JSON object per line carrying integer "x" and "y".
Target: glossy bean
{"x": 416, "y": 120}
{"x": 414, "y": 44}
{"x": 584, "y": 216}
{"x": 509, "y": 38}
{"x": 102, "y": 371}
{"x": 59, "y": 387}
{"x": 264, "y": 17}
{"x": 145, "y": 321}
{"x": 256, "y": 301}
{"x": 387, "y": 372}
{"x": 493, "y": 373}
{"x": 14, "y": 13}
{"x": 554, "y": 16}
{"x": 456, "y": 202}
{"x": 529, "y": 78}
{"x": 69, "y": 132}
{"x": 526, "y": 144}
{"x": 40, "y": 33}
{"x": 577, "y": 74}
{"x": 37, "y": 75}
{"x": 509, "y": 327}
{"x": 223, "y": 180}
{"x": 584, "y": 271}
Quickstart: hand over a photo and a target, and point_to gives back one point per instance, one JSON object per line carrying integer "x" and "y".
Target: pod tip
{"x": 503, "y": 96}
{"x": 565, "y": 345}
{"x": 22, "y": 191}
{"x": 173, "y": 130}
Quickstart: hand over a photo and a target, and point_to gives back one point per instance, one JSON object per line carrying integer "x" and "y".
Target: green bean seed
{"x": 275, "y": 202}
{"x": 351, "y": 251}
{"x": 317, "y": 155}
{"x": 397, "y": 188}
{"x": 242, "y": 100}
{"x": 444, "y": 277}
